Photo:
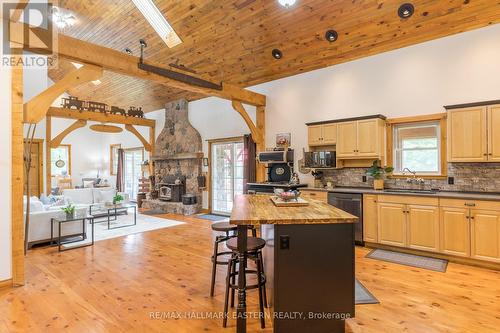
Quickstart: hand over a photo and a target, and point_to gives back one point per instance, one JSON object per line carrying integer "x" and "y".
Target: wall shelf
{"x": 180, "y": 156}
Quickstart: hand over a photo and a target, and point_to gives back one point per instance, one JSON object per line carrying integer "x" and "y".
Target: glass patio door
{"x": 133, "y": 159}
{"x": 227, "y": 175}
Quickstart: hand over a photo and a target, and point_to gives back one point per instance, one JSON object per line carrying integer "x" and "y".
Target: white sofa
{"x": 41, "y": 215}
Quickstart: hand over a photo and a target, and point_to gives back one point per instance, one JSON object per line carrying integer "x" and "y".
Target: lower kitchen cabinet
{"x": 370, "y": 218}
{"x": 423, "y": 227}
{"x": 392, "y": 224}
{"x": 455, "y": 232}
{"x": 485, "y": 235}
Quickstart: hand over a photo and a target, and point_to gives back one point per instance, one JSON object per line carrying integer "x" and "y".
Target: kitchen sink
{"x": 410, "y": 191}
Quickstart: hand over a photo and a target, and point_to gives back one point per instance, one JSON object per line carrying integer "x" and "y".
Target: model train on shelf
{"x": 74, "y": 103}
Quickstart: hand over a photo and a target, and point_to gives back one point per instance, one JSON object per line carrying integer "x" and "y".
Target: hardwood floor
{"x": 118, "y": 284}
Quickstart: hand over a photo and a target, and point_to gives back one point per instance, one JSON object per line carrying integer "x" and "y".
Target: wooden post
{"x": 152, "y": 140}
{"x": 48, "y": 162}
{"x": 17, "y": 175}
{"x": 261, "y": 141}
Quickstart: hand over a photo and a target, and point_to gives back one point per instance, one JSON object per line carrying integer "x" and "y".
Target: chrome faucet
{"x": 414, "y": 178}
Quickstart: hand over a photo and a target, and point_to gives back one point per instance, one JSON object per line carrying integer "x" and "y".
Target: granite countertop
{"x": 437, "y": 194}
{"x": 254, "y": 209}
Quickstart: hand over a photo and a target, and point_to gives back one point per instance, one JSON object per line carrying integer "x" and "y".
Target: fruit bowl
{"x": 289, "y": 195}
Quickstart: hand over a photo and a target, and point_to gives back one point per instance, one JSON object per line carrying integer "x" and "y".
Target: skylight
{"x": 158, "y": 22}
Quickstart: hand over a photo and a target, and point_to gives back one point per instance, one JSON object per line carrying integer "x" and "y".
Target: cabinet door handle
{"x": 490, "y": 154}
{"x": 470, "y": 204}
{"x": 472, "y": 217}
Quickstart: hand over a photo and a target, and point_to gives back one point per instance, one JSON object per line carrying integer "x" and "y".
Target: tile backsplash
{"x": 483, "y": 177}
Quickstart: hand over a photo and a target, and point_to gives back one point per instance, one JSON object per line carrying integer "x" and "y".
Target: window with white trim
{"x": 417, "y": 147}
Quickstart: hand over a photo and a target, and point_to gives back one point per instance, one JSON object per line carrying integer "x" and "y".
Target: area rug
{"x": 144, "y": 223}
{"x": 363, "y": 295}
{"x": 212, "y": 217}
{"x": 433, "y": 264}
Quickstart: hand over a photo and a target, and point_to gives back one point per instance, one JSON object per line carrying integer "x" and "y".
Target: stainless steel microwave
{"x": 320, "y": 159}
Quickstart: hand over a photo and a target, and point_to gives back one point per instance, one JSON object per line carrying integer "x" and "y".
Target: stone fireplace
{"x": 177, "y": 162}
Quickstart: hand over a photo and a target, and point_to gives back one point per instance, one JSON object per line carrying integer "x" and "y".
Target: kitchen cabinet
{"x": 474, "y": 134}
{"x": 423, "y": 227}
{"x": 315, "y": 195}
{"x": 322, "y": 135}
{"x": 485, "y": 234}
{"x": 361, "y": 139}
{"x": 455, "y": 231}
{"x": 347, "y": 139}
{"x": 392, "y": 224}
{"x": 370, "y": 218}
{"x": 494, "y": 133}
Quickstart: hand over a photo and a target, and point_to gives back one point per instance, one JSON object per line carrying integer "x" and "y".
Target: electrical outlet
{"x": 284, "y": 242}
{"x": 364, "y": 179}
{"x": 451, "y": 180}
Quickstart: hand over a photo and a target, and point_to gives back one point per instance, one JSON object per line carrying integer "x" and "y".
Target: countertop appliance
{"x": 320, "y": 159}
{"x": 353, "y": 204}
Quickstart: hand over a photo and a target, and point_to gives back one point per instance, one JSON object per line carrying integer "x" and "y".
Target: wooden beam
{"x": 17, "y": 174}
{"x": 54, "y": 143}
{"x": 36, "y": 109}
{"x": 99, "y": 117}
{"x": 120, "y": 62}
{"x": 244, "y": 114}
{"x": 145, "y": 143}
{"x": 48, "y": 156}
{"x": 16, "y": 14}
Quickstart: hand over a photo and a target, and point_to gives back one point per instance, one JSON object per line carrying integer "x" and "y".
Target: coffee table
{"x": 62, "y": 221}
{"x": 110, "y": 213}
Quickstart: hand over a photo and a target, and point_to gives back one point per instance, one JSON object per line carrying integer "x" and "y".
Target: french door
{"x": 227, "y": 175}
{"x": 132, "y": 159}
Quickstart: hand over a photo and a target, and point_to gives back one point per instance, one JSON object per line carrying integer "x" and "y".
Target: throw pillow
{"x": 88, "y": 183}
{"x": 45, "y": 199}
{"x": 106, "y": 196}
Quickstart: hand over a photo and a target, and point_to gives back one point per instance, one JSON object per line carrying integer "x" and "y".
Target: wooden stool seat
{"x": 253, "y": 244}
{"x": 224, "y": 226}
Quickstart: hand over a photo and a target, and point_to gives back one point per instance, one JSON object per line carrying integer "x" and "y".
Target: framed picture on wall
{"x": 283, "y": 139}
{"x": 205, "y": 161}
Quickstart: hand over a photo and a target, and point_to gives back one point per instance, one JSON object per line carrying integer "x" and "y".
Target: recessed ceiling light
{"x": 406, "y": 10}
{"x": 128, "y": 51}
{"x": 277, "y": 54}
{"x": 158, "y": 22}
{"x": 96, "y": 82}
{"x": 331, "y": 35}
{"x": 287, "y": 3}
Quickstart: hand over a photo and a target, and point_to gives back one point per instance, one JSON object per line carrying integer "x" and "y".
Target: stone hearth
{"x": 178, "y": 154}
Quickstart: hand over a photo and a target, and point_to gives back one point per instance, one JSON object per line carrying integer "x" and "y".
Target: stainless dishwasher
{"x": 353, "y": 204}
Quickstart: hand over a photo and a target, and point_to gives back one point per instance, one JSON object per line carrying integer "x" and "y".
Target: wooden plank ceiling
{"x": 231, "y": 40}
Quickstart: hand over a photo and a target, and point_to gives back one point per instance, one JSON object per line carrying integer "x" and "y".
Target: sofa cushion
{"x": 104, "y": 195}
{"x": 79, "y": 196}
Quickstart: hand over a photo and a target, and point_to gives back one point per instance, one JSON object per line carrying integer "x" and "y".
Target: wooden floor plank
{"x": 117, "y": 284}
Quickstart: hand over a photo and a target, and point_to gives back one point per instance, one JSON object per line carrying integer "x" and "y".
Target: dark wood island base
{"x": 309, "y": 262}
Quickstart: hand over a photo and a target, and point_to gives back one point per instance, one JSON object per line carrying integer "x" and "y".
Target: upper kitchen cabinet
{"x": 474, "y": 133}
{"x": 361, "y": 139}
{"x": 322, "y": 135}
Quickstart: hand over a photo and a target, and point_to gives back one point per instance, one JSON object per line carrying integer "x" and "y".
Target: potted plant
{"x": 70, "y": 211}
{"x": 117, "y": 199}
{"x": 378, "y": 173}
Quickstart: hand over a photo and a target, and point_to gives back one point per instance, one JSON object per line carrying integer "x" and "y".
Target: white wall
{"x": 414, "y": 80}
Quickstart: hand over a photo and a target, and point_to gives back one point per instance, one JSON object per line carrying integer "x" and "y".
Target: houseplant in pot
{"x": 70, "y": 211}
{"x": 378, "y": 173}
{"x": 117, "y": 199}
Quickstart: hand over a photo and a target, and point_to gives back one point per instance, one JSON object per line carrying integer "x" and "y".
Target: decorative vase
{"x": 378, "y": 184}
{"x": 70, "y": 216}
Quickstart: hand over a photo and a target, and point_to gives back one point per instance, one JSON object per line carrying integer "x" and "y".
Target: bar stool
{"x": 253, "y": 252}
{"x": 230, "y": 232}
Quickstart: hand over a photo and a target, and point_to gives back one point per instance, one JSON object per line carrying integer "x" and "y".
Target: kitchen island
{"x": 309, "y": 259}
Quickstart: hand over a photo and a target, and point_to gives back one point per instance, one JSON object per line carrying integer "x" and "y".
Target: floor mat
{"x": 433, "y": 264}
{"x": 363, "y": 295}
{"x": 213, "y": 217}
